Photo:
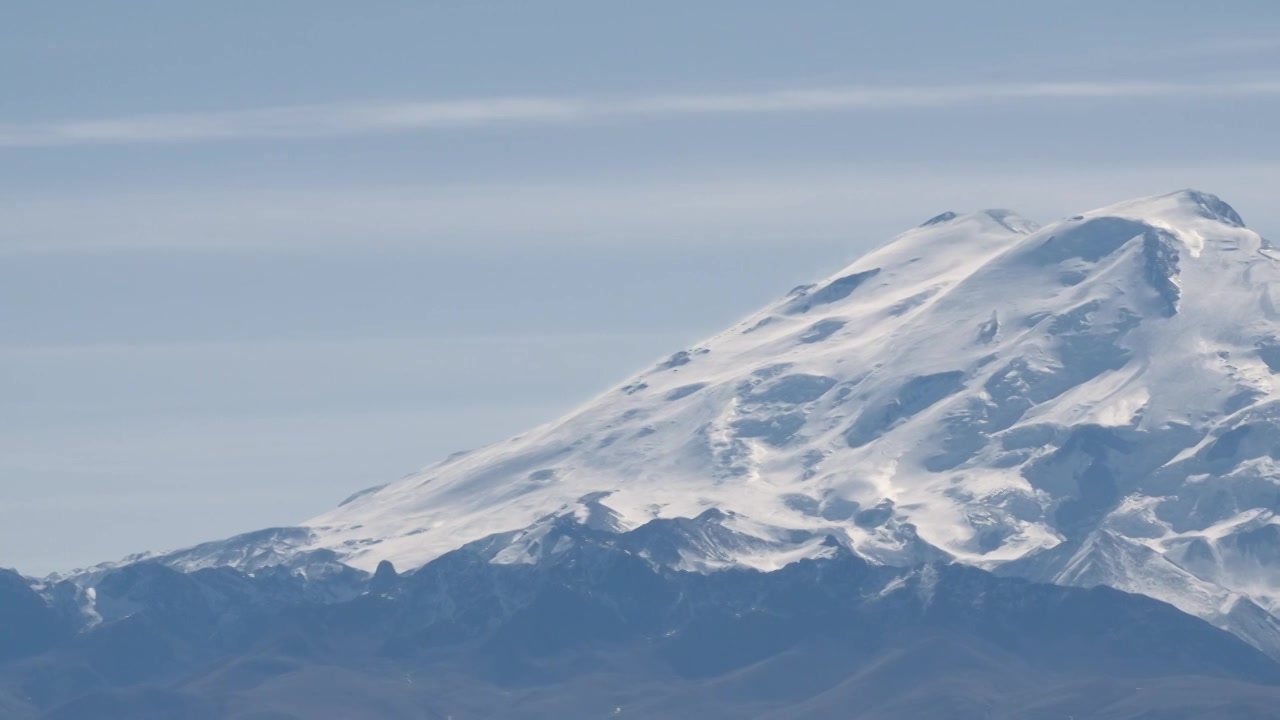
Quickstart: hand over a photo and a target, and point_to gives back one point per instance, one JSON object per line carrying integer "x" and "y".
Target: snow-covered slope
{"x": 1092, "y": 402}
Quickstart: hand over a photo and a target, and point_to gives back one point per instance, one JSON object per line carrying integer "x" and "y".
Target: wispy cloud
{"x": 745, "y": 209}
{"x": 313, "y": 121}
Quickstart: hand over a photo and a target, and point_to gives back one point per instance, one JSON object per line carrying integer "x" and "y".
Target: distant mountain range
{"x": 597, "y": 631}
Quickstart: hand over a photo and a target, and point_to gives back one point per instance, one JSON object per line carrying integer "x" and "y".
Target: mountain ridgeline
{"x": 596, "y": 630}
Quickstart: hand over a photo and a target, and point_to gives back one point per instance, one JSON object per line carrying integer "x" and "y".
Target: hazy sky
{"x": 255, "y": 256}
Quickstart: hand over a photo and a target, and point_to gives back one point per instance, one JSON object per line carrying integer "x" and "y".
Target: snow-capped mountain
{"x": 1089, "y": 403}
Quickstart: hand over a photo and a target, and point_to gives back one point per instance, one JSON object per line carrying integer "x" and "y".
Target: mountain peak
{"x": 1211, "y": 206}
{"x": 1185, "y": 208}
{"x": 1005, "y": 218}
{"x": 940, "y": 218}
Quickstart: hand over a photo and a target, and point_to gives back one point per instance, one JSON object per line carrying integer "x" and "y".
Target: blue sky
{"x": 256, "y": 256}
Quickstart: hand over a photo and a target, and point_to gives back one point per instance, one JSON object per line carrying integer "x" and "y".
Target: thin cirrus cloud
{"x": 758, "y": 209}
{"x": 327, "y": 120}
